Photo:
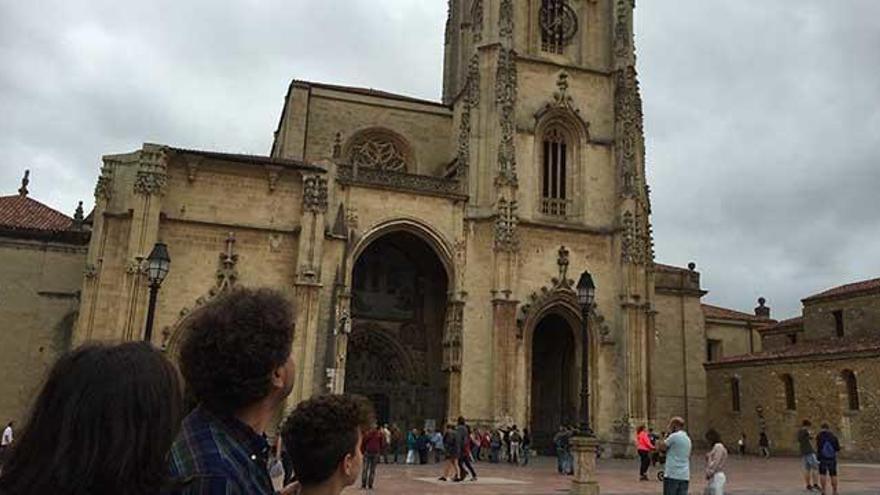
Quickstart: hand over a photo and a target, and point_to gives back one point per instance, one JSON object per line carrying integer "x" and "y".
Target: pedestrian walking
{"x": 423, "y": 445}
{"x": 715, "y": 461}
{"x": 476, "y": 444}
{"x": 808, "y": 456}
{"x": 373, "y": 444}
{"x": 741, "y": 445}
{"x": 644, "y": 447}
{"x": 450, "y": 445}
{"x": 764, "y": 445}
{"x": 396, "y": 442}
{"x": 411, "y": 437}
{"x": 386, "y": 449}
{"x": 462, "y": 437}
{"x": 677, "y": 447}
{"x": 827, "y": 447}
{"x": 526, "y": 446}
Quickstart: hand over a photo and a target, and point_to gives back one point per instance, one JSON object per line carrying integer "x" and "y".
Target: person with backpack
{"x": 827, "y": 446}
{"x": 515, "y": 442}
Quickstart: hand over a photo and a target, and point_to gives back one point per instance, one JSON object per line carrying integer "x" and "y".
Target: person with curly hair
{"x": 237, "y": 363}
{"x": 325, "y": 437}
{"x": 102, "y": 424}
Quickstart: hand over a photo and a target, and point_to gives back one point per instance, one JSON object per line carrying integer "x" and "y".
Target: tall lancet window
{"x": 555, "y": 173}
{"x": 559, "y": 24}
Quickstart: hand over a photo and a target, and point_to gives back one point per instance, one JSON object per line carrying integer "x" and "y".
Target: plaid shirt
{"x": 219, "y": 456}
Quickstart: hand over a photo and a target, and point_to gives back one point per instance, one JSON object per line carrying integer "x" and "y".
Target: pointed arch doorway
{"x": 555, "y": 379}
{"x": 395, "y": 351}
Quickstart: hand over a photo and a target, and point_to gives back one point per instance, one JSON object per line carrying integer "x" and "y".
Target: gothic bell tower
{"x": 550, "y": 139}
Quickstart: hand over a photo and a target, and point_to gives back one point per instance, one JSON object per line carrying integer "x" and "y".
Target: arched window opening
{"x": 852, "y": 390}
{"x": 790, "y": 399}
{"x": 555, "y": 160}
{"x": 734, "y": 391}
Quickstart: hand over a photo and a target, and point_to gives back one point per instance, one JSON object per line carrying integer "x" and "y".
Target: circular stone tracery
{"x": 559, "y": 22}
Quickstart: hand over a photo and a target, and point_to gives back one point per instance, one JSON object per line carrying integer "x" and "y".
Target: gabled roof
{"x": 791, "y": 324}
{"x": 710, "y": 311}
{"x": 817, "y": 349}
{"x": 19, "y": 212}
{"x": 845, "y": 290}
{"x": 369, "y": 92}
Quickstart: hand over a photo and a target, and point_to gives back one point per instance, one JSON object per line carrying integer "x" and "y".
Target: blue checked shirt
{"x": 216, "y": 455}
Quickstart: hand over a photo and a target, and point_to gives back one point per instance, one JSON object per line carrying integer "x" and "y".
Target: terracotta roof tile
{"x": 845, "y": 290}
{"x": 789, "y": 324}
{"x": 810, "y": 348}
{"x": 23, "y": 213}
{"x": 711, "y": 311}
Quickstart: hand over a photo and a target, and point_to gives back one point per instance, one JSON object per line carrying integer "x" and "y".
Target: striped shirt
{"x": 216, "y": 455}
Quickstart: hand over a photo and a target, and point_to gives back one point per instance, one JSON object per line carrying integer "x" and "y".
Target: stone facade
{"x": 43, "y": 254}
{"x": 810, "y": 368}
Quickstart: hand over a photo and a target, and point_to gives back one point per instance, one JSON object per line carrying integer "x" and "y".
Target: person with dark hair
{"x": 526, "y": 446}
{"x": 715, "y": 461}
{"x": 325, "y": 438}
{"x": 827, "y": 447}
{"x": 102, "y": 424}
{"x": 237, "y": 363}
{"x": 644, "y": 447}
{"x": 450, "y": 445}
{"x": 764, "y": 445}
{"x": 462, "y": 440}
{"x": 423, "y": 445}
{"x": 373, "y": 444}
{"x": 808, "y": 456}
{"x": 677, "y": 447}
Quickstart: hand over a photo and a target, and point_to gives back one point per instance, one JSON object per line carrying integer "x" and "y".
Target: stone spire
{"x": 78, "y": 217}
{"x": 23, "y": 190}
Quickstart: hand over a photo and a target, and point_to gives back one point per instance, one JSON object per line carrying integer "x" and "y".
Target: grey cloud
{"x": 761, "y": 117}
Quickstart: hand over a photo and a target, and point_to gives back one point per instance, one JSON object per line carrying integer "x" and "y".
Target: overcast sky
{"x": 762, "y": 117}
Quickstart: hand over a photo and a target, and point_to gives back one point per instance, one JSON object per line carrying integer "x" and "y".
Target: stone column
{"x": 584, "y": 452}
{"x": 452, "y": 351}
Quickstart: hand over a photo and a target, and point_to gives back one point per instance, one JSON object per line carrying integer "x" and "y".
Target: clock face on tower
{"x": 559, "y": 24}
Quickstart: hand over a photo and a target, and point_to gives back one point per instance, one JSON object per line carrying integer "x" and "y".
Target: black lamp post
{"x": 586, "y": 293}
{"x": 158, "y": 264}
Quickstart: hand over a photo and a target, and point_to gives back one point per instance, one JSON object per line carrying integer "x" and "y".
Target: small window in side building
{"x": 790, "y": 398}
{"x": 852, "y": 390}
{"x": 734, "y": 391}
{"x": 713, "y": 350}
{"x": 792, "y": 338}
{"x": 838, "y": 322}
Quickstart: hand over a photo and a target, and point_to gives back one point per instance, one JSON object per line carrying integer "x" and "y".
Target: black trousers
{"x": 464, "y": 462}
{"x": 645, "y": 458}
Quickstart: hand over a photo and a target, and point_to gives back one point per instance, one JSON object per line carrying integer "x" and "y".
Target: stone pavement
{"x": 779, "y": 476}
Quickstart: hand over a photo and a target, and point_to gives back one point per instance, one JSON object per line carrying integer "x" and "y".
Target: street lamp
{"x": 586, "y": 293}
{"x": 158, "y": 264}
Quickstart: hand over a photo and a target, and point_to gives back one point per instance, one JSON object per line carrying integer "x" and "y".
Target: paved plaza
{"x": 780, "y": 476}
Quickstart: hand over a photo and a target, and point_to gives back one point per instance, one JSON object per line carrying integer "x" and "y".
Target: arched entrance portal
{"x": 398, "y": 306}
{"x": 554, "y": 380}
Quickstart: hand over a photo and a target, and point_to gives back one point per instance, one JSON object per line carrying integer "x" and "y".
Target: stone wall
{"x": 820, "y": 395}
{"x": 39, "y": 293}
{"x": 860, "y": 316}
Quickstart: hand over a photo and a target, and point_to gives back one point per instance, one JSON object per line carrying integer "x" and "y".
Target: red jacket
{"x": 643, "y": 442}
{"x": 373, "y": 442}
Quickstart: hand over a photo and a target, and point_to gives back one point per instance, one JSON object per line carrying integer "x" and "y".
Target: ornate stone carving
{"x": 559, "y": 25}
{"x": 90, "y": 271}
{"x": 477, "y": 20}
{"x": 505, "y": 98}
{"x": 337, "y": 145}
{"x": 452, "y": 337}
{"x": 505, "y": 20}
{"x": 376, "y": 150}
{"x": 398, "y": 180}
{"x": 563, "y": 101}
{"x": 637, "y": 244}
{"x": 629, "y": 130}
{"x": 152, "y": 175}
{"x": 562, "y": 261}
{"x": 471, "y": 100}
{"x": 226, "y": 279}
{"x": 104, "y": 187}
{"x": 136, "y": 266}
{"x": 622, "y": 36}
{"x": 273, "y": 174}
{"x": 315, "y": 193}
{"x": 506, "y": 221}
{"x": 448, "y": 31}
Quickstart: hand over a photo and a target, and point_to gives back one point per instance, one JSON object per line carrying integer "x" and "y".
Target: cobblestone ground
{"x": 780, "y": 476}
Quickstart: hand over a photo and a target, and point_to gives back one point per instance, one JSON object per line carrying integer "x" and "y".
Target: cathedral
{"x": 431, "y": 248}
